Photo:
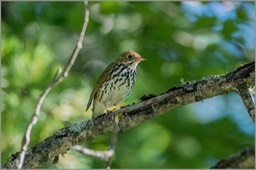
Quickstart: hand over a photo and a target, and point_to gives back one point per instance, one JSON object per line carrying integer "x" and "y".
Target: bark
{"x": 243, "y": 159}
{"x": 133, "y": 115}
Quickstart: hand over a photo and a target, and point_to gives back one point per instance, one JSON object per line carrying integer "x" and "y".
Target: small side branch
{"x": 98, "y": 154}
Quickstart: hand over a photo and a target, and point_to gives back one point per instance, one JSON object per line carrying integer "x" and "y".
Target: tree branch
{"x": 244, "y": 92}
{"x": 244, "y": 159}
{"x": 133, "y": 115}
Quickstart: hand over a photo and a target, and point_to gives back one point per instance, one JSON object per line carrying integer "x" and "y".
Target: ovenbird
{"x": 115, "y": 83}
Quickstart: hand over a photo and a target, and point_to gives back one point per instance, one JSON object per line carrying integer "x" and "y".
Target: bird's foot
{"x": 117, "y": 105}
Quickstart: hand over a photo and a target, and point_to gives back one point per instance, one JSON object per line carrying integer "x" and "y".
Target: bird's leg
{"x": 117, "y": 104}
{"x": 106, "y": 107}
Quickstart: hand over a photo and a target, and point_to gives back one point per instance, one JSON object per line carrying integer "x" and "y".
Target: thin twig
{"x": 112, "y": 143}
{"x": 98, "y": 154}
{"x": 60, "y": 75}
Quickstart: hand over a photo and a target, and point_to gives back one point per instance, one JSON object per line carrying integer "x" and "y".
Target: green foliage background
{"x": 182, "y": 41}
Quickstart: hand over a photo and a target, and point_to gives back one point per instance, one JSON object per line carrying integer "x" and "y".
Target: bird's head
{"x": 130, "y": 59}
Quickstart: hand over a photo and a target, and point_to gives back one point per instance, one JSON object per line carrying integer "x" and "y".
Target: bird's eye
{"x": 129, "y": 56}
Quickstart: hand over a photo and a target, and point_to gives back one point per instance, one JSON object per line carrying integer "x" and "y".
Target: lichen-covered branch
{"x": 244, "y": 159}
{"x": 133, "y": 115}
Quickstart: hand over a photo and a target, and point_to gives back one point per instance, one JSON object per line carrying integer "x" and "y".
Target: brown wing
{"x": 104, "y": 76}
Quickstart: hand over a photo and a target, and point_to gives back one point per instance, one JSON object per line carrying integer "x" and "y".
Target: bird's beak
{"x": 140, "y": 59}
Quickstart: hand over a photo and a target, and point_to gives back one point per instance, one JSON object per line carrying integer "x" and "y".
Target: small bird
{"x": 115, "y": 83}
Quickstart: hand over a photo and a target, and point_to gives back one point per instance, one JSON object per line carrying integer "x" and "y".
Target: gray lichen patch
{"x": 78, "y": 127}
